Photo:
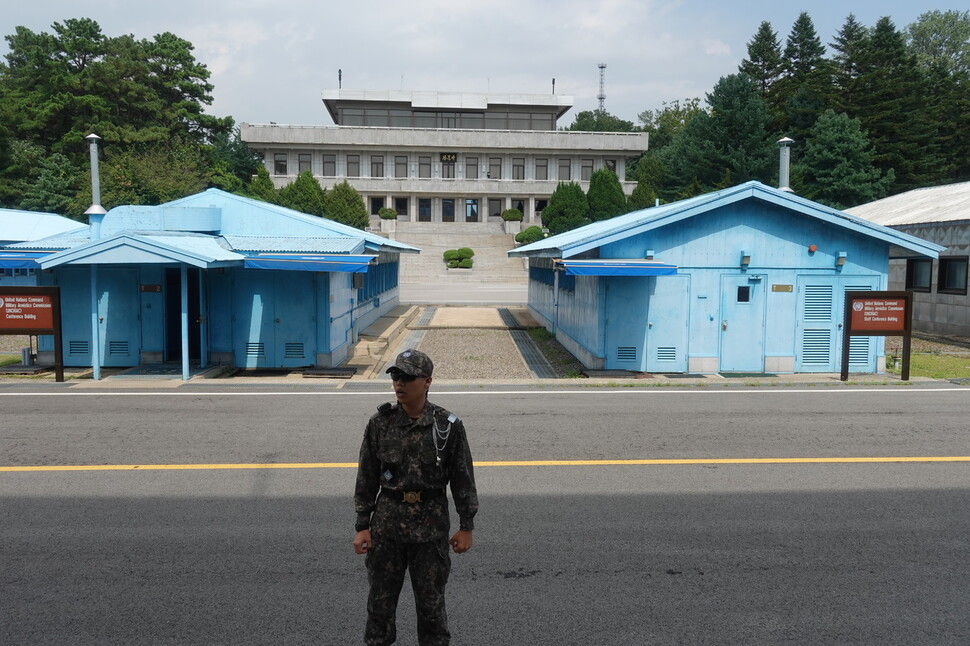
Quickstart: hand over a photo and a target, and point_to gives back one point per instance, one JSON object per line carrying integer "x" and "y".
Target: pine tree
{"x": 261, "y": 187}
{"x": 893, "y": 110}
{"x": 344, "y": 204}
{"x": 567, "y": 208}
{"x": 763, "y": 63}
{"x": 805, "y": 87}
{"x": 837, "y": 167}
{"x": 55, "y": 187}
{"x": 605, "y": 196}
{"x": 847, "y": 65}
{"x": 303, "y": 194}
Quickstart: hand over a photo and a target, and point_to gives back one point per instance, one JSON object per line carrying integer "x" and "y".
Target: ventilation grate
{"x": 118, "y": 348}
{"x": 816, "y": 348}
{"x": 818, "y": 302}
{"x": 666, "y": 354}
{"x": 626, "y": 353}
{"x": 859, "y": 350}
{"x": 293, "y": 351}
{"x": 76, "y": 348}
{"x": 255, "y": 350}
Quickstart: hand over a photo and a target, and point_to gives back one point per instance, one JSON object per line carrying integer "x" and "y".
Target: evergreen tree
{"x": 650, "y": 178}
{"x": 942, "y": 39}
{"x": 805, "y": 87}
{"x": 764, "y": 62}
{"x": 303, "y": 194}
{"x": 847, "y": 65}
{"x": 837, "y": 166}
{"x": 567, "y": 208}
{"x": 344, "y": 204}
{"x": 599, "y": 121}
{"x": 894, "y": 113}
{"x": 605, "y": 196}
{"x": 55, "y": 187}
{"x": 730, "y": 144}
{"x": 261, "y": 187}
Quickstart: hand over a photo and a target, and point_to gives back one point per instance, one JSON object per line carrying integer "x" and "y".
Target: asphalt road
{"x": 693, "y": 552}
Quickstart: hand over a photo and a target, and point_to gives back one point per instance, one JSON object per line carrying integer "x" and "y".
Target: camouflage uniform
{"x": 402, "y": 459}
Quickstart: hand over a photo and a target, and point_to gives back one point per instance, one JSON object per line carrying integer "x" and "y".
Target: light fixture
{"x": 840, "y": 259}
{"x": 745, "y": 260}
{"x": 648, "y": 255}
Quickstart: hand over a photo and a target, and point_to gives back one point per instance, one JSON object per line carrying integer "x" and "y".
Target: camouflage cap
{"x": 413, "y": 362}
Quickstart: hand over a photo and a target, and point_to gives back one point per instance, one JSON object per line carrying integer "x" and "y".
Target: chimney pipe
{"x": 95, "y": 212}
{"x": 784, "y": 164}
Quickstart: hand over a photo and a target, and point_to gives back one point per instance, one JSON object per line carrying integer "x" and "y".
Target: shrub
{"x": 465, "y": 263}
{"x": 530, "y": 235}
{"x": 451, "y": 254}
{"x": 387, "y": 214}
{"x": 512, "y": 215}
{"x": 453, "y": 264}
{"x": 465, "y": 252}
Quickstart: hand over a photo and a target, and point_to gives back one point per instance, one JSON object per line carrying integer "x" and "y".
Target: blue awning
{"x": 616, "y": 267}
{"x": 309, "y": 262}
{"x": 22, "y": 259}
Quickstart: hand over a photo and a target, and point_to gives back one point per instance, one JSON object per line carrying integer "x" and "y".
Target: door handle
{"x": 724, "y": 325}
{"x": 277, "y": 320}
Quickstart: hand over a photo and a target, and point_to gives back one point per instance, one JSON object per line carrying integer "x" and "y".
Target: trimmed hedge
{"x": 530, "y": 235}
{"x": 387, "y": 214}
{"x": 465, "y": 252}
{"x": 451, "y": 254}
{"x": 512, "y": 215}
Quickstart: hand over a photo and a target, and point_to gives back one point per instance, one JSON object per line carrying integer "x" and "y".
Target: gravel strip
{"x": 474, "y": 354}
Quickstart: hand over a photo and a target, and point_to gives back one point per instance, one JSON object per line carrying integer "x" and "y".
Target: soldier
{"x": 411, "y": 451}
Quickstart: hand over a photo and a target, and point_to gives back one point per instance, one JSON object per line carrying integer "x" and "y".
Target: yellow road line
{"x": 488, "y": 463}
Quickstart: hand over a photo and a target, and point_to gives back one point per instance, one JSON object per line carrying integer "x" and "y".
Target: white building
{"x": 444, "y": 157}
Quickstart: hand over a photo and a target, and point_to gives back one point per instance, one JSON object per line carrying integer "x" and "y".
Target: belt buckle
{"x": 411, "y": 497}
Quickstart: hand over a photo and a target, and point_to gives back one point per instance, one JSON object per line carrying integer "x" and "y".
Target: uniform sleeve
{"x": 462, "y": 477}
{"x": 368, "y": 479}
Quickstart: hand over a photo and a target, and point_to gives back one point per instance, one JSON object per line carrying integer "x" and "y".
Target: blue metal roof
{"x": 19, "y": 226}
{"x": 130, "y": 248}
{"x": 604, "y": 232}
{"x": 295, "y": 245}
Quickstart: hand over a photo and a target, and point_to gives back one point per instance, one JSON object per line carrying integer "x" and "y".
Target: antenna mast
{"x": 602, "y": 95}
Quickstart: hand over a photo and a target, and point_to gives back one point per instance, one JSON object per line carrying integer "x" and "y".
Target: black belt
{"x": 411, "y": 497}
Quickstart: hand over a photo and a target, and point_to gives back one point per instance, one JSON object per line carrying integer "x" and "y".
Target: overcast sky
{"x": 270, "y": 60}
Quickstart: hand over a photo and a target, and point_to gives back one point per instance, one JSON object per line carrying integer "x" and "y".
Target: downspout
{"x": 95, "y": 215}
{"x": 555, "y": 299}
{"x": 203, "y": 324}
{"x": 185, "y": 322}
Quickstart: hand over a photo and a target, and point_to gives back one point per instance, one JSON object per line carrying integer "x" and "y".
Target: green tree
{"x": 24, "y": 161}
{"x": 261, "y": 187}
{"x": 837, "y": 167}
{"x": 847, "y": 65}
{"x": 763, "y": 63}
{"x": 731, "y": 141}
{"x": 805, "y": 87}
{"x": 344, "y": 204}
{"x": 233, "y": 162}
{"x": 942, "y": 39}
{"x": 600, "y": 121}
{"x": 605, "y": 196}
{"x": 303, "y": 194}
{"x": 567, "y": 208}
{"x": 664, "y": 124}
{"x": 56, "y": 88}
{"x": 148, "y": 174}
{"x": 650, "y": 179}
{"x": 895, "y": 112}
{"x": 55, "y": 187}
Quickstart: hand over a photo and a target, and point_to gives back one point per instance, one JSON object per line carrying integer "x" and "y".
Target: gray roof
{"x": 947, "y": 203}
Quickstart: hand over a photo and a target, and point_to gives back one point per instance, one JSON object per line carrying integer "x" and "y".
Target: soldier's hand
{"x": 363, "y": 541}
{"x": 461, "y": 542}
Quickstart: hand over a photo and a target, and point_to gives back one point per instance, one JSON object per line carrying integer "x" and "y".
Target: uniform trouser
{"x": 429, "y": 565}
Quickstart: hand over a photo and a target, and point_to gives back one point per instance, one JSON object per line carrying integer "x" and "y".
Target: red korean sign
{"x": 879, "y": 315}
{"x": 26, "y": 311}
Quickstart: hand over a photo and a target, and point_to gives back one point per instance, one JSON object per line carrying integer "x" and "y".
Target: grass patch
{"x": 563, "y": 363}
{"x": 935, "y": 366}
{"x": 7, "y": 360}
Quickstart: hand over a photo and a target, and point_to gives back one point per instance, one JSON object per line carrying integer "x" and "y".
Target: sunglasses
{"x": 397, "y": 375}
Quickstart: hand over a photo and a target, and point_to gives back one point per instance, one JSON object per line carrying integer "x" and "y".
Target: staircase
{"x": 487, "y": 239}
